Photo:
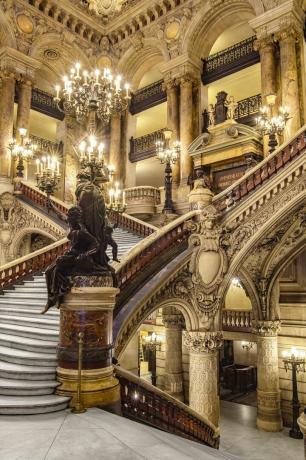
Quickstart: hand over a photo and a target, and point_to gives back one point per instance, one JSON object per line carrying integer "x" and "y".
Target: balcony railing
{"x": 43, "y": 102}
{"x": 230, "y": 60}
{"x": 142, "y": 200}
{"x": 236, "y": 320}
{"x": 47, "y": 147}
{"x": 144, "y": 147}
{"x": 148, "y": 97}
{"x": 147, "y": 404}
{"x": 245, "y": 113}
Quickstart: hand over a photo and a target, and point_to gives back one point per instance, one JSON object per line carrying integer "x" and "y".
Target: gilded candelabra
{"x": 295, "y": 360}
{"x": 272, "y": 125}
{"x": 95, "y": 91}
{"x": 22, "y": 151}
{"x": 91, "y": 154}
{"x": 168, "y": 156}
{"x": 47, "y": 176}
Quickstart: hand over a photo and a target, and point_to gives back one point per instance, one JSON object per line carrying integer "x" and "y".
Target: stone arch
{"x": 130, "y": 326}
{"x": 209, "y": 23}
{"x": 26, "y": 231}
{"x": 7, "y": 35}
{"x": 135, "y": 62}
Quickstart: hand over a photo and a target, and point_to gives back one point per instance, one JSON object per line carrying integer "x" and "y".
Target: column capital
{"x": 170, "y": 83}
{"x": 265, "y": 43}
{"x": 266, "y": 328}
{"x": 203, "y": 342}
{"x": 12, "y": 60}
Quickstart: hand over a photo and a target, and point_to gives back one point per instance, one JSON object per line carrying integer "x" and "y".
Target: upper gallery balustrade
{"x": 148, "y": 97}
{"x": 43, "y": 102}
{"x": 145, "y": 146}
{"x": 230, "y": 60}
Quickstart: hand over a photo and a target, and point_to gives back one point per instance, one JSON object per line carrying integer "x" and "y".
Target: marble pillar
{"x": 88, "y": 308}
{"x": 186, "y": 128}
{"x": 115, "y": 159}
{"x": 173, "y": 122}
{"x": 267, "y": 50}
{"x": 173, "y": 381}
{"x": 24, "y": 105}
{"x": 6, "y": 120}
{"x": 268, "y": 393}
{"x": 289, "y": 80}
{"x": 302, "y": 425}
{"x": 203, "y": 372}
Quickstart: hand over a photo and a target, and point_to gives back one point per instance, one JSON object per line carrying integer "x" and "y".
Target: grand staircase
{"x": 28, "y": 343}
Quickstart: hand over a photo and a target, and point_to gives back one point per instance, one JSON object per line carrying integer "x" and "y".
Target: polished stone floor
{"x": 99, "y": 435}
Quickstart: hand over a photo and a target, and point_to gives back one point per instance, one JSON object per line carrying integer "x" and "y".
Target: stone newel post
{"x": 203, "y": 373}
{"x": 173, "y": 357}
{"x": 88, "y": 308}
{"x": 268, "y": 393}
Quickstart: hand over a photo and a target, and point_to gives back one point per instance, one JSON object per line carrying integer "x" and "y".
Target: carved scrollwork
{"x": 203, "y": 342}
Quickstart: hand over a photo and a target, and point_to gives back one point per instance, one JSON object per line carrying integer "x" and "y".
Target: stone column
{"x": 302, "y": 425}
{"x": 186, "y": 128}
{"x": 24, "y": 104}
{"x": 268, "y": 392}
{"x": 289, "y": 80}
{"x": 88, "y": 308}
{"x": 173, "y": 320}
{"x": 173, "y": 122}
{"x": 203, "y": 373}
{"x": 115, "y": 148}
{"x": 267, "y": 50}
{"x": 6, "y": 119}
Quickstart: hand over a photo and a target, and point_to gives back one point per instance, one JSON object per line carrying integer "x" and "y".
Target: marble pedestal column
{"x": 302, "y": 425}
{"x": 173, "y": 122}
{"x": 6, "y": 120}
{"x": 173, "y": 320}
{"x": 88, "y": 308}
{"x": 289, "y": 81}
{"x": 115, "y": 159}
{"x": 268, "y": 392}
{"x": 203, "y": 373}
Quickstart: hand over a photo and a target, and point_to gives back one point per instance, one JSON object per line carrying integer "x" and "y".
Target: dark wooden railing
{"x": 230, "y": 60}
{"x": 144, "y": 147}
{"x": 47, "y": 147}
{"x": 147, "y": 404}
{"x": 148, "y": 97}
{"x": 43, "y": 102}
{"x": 258, "y": 175}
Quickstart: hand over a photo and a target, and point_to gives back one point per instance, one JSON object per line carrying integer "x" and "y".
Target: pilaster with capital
{"x": 173, "y": 120}
{"x": 203, "y": 372}
{"x": 268, "y": 392}
{"x": 173, "y": 322}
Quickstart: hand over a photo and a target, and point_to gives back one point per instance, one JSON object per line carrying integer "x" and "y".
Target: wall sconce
{"x": 247, "y": 345}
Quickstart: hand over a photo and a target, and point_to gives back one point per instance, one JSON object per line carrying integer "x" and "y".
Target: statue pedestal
{"x": 88, "y": 308}
{"x": 199, "y": 198}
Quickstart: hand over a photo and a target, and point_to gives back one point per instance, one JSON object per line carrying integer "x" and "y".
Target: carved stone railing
{"x": 38, "y": 197}
{"x": 145, "y": 403}
{"x": 142, "y": 200}
{"x": 43, "y": 102}
{"x": 30, "y": 264}
{"x": 258, "y": 176}
{"x": 148, "y": 97}
{"x": 236, "y": 320}
{"x": 230, "y": 60}
{"x": 144, "y": 147}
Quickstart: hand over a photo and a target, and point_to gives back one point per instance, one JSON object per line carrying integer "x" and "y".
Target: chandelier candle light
{"x": 97, "y": 91}
{"x": 115, "y": 203}
{"x": 295, "y": 360}
{"x": 47, "y": 176}
{"x": 168, "y": 155}
{"x": 92, "y": 158}
{"x": 271, "y": 125}
{"x": 24, "y": 150}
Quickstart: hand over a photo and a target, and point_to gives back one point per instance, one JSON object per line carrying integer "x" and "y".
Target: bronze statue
{"x": 78, "y": 260}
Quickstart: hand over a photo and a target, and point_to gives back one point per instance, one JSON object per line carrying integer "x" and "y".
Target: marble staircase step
{"x": 41, "y": 323}
{"x": 10, "y": 387}
{"x": 36, "y": 296}
{"x": 15, "y": 301}
{"x": 29, "y": 312}
{"x": 13, "y": 405}
{"x": 28, "y": 344}
{"x": 21, "y": 372}
{"x": 29, "y": 358}
{"x": 30, "y": 332}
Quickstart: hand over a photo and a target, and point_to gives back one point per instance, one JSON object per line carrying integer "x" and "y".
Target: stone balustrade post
{"x": 173, "y": 322}
{"x": 203, "y": 372}
{"x": 88, "y": 308}
{"x": 6, "y": 120}
{"x": 268, "y": 393}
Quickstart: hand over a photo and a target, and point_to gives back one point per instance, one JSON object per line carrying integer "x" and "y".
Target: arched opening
{"x": 29, "y": 242}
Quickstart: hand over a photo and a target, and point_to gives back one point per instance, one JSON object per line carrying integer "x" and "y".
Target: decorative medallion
{"x": 52, "y": 54}
{"x": 104, "y": 62}
{"x": 25, "y": 24}
{"x": 104, "y": 7}
{"x": 172, "y": 30}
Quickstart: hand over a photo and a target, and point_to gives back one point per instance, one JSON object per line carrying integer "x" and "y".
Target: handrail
{"x": 131, "y": 223}
{"x": 258, "y": 175}
{"x": 144, "y": 402}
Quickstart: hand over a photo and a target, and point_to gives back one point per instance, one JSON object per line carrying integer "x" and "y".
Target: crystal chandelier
{"x": 271, "y": 125}
{"x": 96, "y": 91}
{"x": 91, "y": 154}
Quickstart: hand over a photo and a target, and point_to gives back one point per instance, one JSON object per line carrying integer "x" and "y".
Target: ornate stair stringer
{"x": 147, "y": 404}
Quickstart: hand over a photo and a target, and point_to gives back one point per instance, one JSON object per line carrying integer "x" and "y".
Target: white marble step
{"x": 41, "y": 323}
{"x": 26, "y": 290}
{"x": 21, "y": 372}
{"x": 13, "y": 405}
{"x": 29, "y": 312}
{"x": 14, "y": 301}
{"x": 30, "y": 332}
{"x": 29, "y": 295}
{"x": 28, "y": 344}
{"x": 10, "y": 387}
{"x": 29, "y": 358}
